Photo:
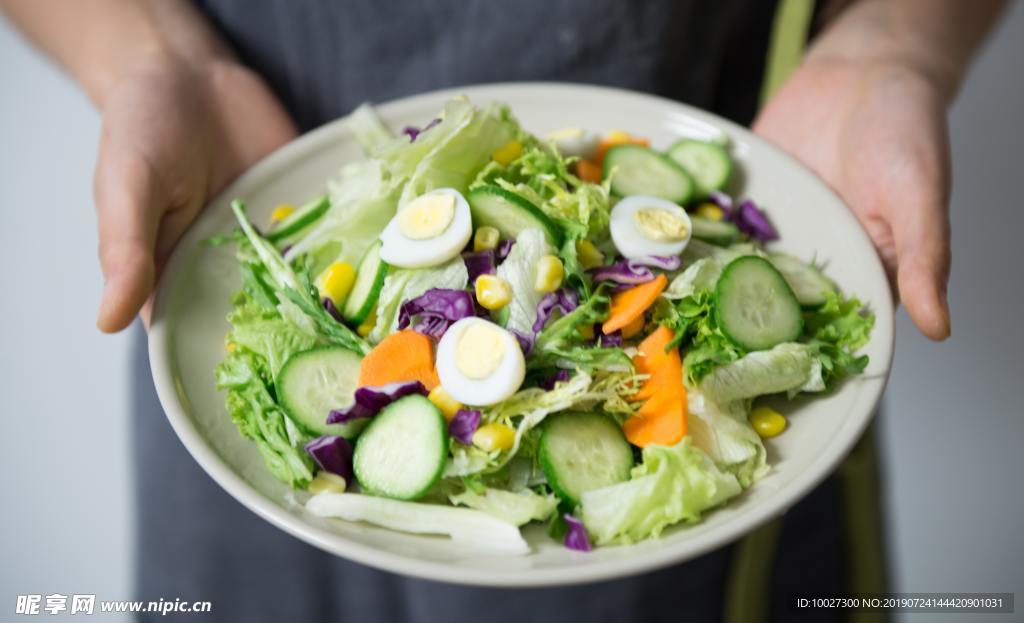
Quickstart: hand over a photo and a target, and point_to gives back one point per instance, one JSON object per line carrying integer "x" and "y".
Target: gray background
{"x": 952, "y": 428}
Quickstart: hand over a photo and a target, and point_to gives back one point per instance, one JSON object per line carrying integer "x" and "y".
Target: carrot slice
{"x": 661, "y": 419}
{"x": 403, "y": 356}
{"x": 630, "y": 304}
{"x": 589, "y": 171}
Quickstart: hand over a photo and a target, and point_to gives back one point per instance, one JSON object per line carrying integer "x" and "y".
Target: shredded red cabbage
{"x": 563, "y": 300}
{"x": 721, "y": 200}
{"x": 558, "y": 377}
{"x": 576, "y": 538}
{"x": 333, "y": 454}
{"x": 525, "y": 341}
{"x": 480, "y": 263}
{"x": 752, "y": 221}
{"x": 463, "y": 425}
{"x": 634, "y": 271}
{"x": 436, "y": 310}
{"x": 412, "y": 132}
{"x": 610, "y": 340}
{"x": 505, "y": 247}
{"x": 331, "y": 309}
{"x": 370, "y": 400}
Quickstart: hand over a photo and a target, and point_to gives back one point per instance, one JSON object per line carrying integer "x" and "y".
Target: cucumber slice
{"x": 721, "y": 233}
{"x": 314, "y": 382}
{"x": 579, "y": 452}
{"x": 365, "y": 291}
{"x": 754, "y": 305}
{"x": 642, "y": 171}
{"x": 299, "y": 220}
{"x": 707, "y": 163}
{"x": 510, "y": 214}
{"x": 401, "y": 453}
{"x": 809, "y": 284}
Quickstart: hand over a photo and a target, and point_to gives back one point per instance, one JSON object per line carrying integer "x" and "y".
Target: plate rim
{"x": 161, "y": 357}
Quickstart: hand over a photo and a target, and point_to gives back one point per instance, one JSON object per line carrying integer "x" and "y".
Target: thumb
{"x": 921, "y": 236}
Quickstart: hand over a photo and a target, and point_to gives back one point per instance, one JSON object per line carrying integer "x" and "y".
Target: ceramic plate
{"x": 187, "y": 337}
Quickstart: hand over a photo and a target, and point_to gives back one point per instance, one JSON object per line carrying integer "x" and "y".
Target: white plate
{"x": 187, "y": 336}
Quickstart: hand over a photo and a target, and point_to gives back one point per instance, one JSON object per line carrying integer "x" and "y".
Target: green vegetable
{"x": 403, "y": 284}
{"x": 789, "y": 367}
{"x": 726, "y": 436}
{"x": 839, "y": 328}
{"x": 264, "y": 332}
{"x": 515, "y": 507}
{"x": 520, "y": 270}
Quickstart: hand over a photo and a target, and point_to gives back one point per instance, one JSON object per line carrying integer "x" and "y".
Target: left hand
{"x": 876, "y": 132}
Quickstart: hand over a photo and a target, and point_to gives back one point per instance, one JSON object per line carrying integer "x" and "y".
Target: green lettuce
{"x": 837, "y": 330}
{"x": 789, "y": 367}
{"x": 515, "y": 507}
{"x": 725, "y": 435}
{"x": 520, "y": 270}
{"x": 266, "y": 333}
{"x": 403, "y": 284}
{"x": 672, "y": 484}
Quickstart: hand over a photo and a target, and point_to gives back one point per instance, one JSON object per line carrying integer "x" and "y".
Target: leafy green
{"x": 788, "y": 367}
{"x": 837, "y": 330}
{"x": 673, "y": 484}
{"x": 693, "y": 320}
{"x": 725, "y": 434}
{"x": 559, "y": 344}
{"x": 520, "y": 270}
{"x": 403, "y": 284}
{"x": 266, "y": 333}
{"x": 515, "y": 507}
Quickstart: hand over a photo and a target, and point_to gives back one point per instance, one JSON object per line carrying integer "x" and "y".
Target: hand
{"x": 876, "y": 132}
{"x": 174, "y": 134}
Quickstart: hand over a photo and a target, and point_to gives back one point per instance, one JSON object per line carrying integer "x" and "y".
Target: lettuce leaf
{"x": 837, "y": 330}
{"x": 520, "y": 270}
{"x": 515, "y": 507}
{"x": 404, "y": 284}
{"x": 788, "y": 367}
{"x": 726, "y": 436}
{"x": 266, "y": 333}
{"x": 673, "y": 484}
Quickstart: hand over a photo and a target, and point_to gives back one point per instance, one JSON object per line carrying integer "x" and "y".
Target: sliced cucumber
{"x": 642, "y": 171}
{"x": 510, "y": 213}
{"x": 314, "y": 382}
{"x": 369, "y": 280}
{"x": 401, "y": 453}
{"x": 809, "y": 284}
{"x": 579, "y": 452}
{"x": 754, "y": 305}
{"x": 707, "y": 163}
{"x": 299, "y": 220}
{"x": 721, "y": 233}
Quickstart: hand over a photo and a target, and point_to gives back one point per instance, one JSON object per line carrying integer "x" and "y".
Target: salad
{"x": 476, "y": 329}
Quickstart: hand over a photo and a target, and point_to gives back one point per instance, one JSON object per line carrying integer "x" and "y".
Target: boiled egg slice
{"x": 479, "y": 363}
{"x": 427, "y": 231}
{"x": 643, "y": 226}
{"x": 575, "y": 142}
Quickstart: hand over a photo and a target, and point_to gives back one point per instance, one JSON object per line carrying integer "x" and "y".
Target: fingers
{"x": 922, "y": 248}
{"x": 125, "y": 193}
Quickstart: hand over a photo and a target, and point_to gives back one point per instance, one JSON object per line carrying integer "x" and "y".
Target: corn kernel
{"x": 586, "y": 331}
{"x": 327, "y": 481}
{"x": 767, "y": 422}
{"x": 710, "y": 211}
{"x": 282, "y": 212}
{"x": 494, "y": 436}
{"x": 336, "y": 282}
{"x": 633, "y": 328}
{"x": 485, "y": 239}
{"x": 371, "y": 321}
{"x": 492, "y": 292}
{"x": 588, "y": 255}
{"x": 549, "y": 274}
{"x": 508, "y": 152}
{"x": 616, "y": 136}
{"x": 444, "y": 401}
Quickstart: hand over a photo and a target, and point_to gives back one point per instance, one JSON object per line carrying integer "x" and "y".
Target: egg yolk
{"x": 660, "y": 225}
{"x": 427, "y": 216}
{"x": 480, "y": 349}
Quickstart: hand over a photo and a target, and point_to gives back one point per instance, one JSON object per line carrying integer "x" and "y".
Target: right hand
{"x": 173, "y": 136}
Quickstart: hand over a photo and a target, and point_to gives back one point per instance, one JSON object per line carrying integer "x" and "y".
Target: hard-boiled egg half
{"x": 429, "y": 230}
{"x": 643, "y": 226}
{"x": 574, "y": 142}
{"x": 479, "y": 363}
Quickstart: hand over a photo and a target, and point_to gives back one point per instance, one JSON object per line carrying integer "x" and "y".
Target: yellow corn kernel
{"x": 507, "y": 152}
{"x": 326, "y": 481}
{"x": 617, "y": 136}
{"x": 767, "y": 421}
{"x": 710, "y": 211}
{"x": 549, "y": 274}
{"x": 281, "y": 212}
{"x": 485, "y": 239}
{"x": 230, "y": 347}
{"x": 588, "y": 255}
{"x": 586, "y": 331}
{"x": 371, "y": 321}
{"x": 337, "y": 281}
{"x": 492, "y": 291}
{"x": 444, "y": 401}
{"x": 633, "y": 328}
{"x": 494, "y": 436}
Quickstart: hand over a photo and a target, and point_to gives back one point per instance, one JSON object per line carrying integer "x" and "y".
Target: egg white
{"x": 630, "y": 241}
{"x": 398, "y": 250}
{"x": 503, "y": 382}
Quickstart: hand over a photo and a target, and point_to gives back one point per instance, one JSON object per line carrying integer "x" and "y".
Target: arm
{"x": 867, "y": 111}
{"x": 181, "y": 119}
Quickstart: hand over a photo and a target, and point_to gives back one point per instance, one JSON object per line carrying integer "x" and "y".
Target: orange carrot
{"x": 589, "y": 171}
{"x": 403, "y": 356}
{"x": 634, "y": 327}
{"x": 661, "y": 419}
{"x": 630, "y": 304}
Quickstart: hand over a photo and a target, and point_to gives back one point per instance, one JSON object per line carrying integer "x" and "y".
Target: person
{"x": 193, "y": 94}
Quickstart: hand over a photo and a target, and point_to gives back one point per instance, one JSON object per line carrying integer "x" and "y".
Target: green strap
{"x": 788, "y": 40}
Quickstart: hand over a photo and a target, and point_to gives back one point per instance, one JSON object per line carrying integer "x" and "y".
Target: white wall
{"x": 953, "y": 425}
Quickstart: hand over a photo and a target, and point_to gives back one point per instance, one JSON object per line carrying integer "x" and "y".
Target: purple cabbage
{"x": 721, "y": 200}
{"x": 634, "y": 271}
{"x": 370, "y": 400}
{"x": 752, "y": 221}
{"x": 480, "y": 263}
{"x": 576, "y": 538}
{"x": 412, "y": 132}
{"x": 436, "y": 310}
{"x": 333, "y": 454}
{"x": 505, "y": 247}
{"x": 610, "y": 340}
{"x": 564, "y": 300}
{"x": 331, "y": 309}
{"x": 525, "y": 341}
{"x": 463, "y": 425}
{"x": 558, "y": 377}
